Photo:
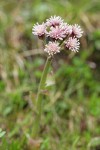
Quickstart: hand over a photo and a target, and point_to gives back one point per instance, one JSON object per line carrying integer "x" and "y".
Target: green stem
{"x": 39, "y": 96}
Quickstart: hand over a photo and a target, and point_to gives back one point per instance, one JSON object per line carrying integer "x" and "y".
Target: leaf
{"x": 95, "y": 142}
{"x": 50, "y": 81}
{"x": 2, "y": 133}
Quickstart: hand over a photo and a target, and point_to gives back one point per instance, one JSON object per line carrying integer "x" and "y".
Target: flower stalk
{"x": 40, "y": 96}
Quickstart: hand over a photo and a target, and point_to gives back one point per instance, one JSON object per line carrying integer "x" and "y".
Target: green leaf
{"x": 2, "y": 133}
{"x": 50, "y": 81}
{"x": 94, "y": 143}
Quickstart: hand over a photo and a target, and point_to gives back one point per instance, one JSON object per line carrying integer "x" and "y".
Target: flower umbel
{"x": 72, "y": 44}
{"x": 52, "y": 48}
{"x": 58, "y": 33}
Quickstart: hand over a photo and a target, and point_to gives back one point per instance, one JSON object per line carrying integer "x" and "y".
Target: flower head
{"x": 77, "y": 31}
{"x": 67, "y": 29}
{"x": 72, "y": 44}
{"x": 39, "y": 29}
{"x": 54, "y": 21}
{"x": 52, "y": 48}
{"x": 57, "y": 33}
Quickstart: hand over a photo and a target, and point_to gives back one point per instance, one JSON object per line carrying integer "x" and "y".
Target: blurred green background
{"x": 71, "y": 116}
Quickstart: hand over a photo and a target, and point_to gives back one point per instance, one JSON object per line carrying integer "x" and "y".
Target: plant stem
{"x": 39, "y": 96}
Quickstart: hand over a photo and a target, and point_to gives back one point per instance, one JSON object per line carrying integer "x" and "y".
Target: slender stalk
{"x": 39, "y": 96}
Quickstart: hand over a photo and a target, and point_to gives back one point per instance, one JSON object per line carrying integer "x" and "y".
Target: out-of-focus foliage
{"x": 71, "y": 117}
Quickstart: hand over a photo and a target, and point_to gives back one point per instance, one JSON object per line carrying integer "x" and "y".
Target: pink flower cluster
{"x": 58, "y": 33}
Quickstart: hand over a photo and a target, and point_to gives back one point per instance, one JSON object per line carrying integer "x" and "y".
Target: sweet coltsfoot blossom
{"x": 56, "y": 33}
{"x": 77, "y": 31}
{"x": 59, "y": 35}
{"x": 72, "y": 44}
{"x": 54, "y": 21}
{"x": 52, "y": 48}
{"x": 39, "y": 29}
{"x": 66, "y": 28}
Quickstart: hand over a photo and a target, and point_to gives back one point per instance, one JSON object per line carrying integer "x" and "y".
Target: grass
{"x": 70, "y": 120}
